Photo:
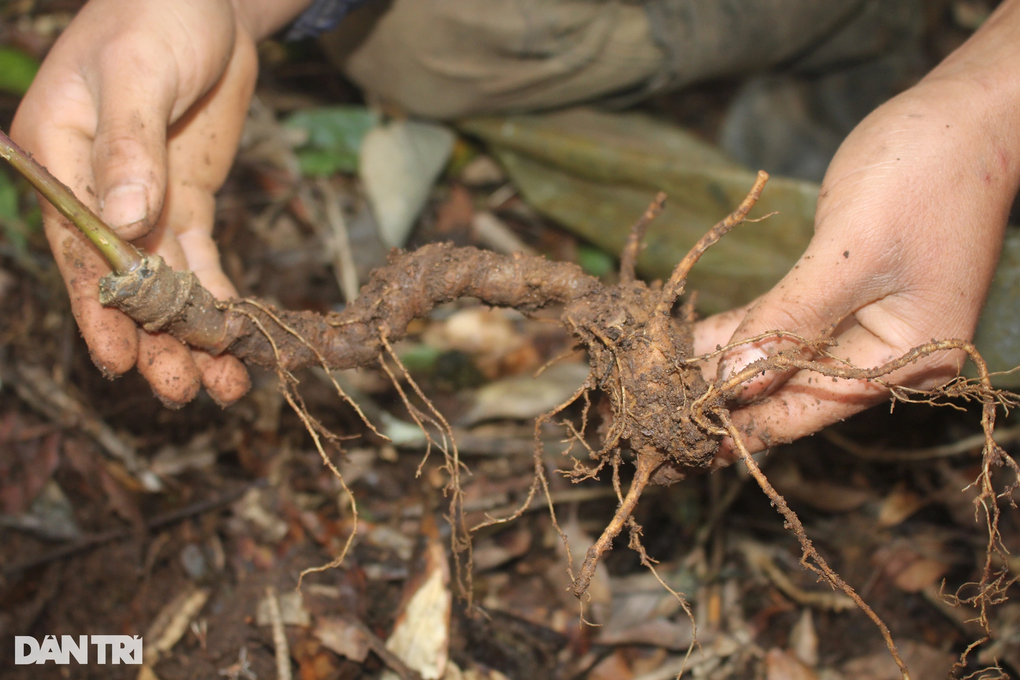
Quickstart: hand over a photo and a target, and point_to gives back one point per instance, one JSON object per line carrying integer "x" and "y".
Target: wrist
{"x": 979, "y": 84}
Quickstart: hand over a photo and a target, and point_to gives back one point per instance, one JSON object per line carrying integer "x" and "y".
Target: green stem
{"x": 122, "y": 256}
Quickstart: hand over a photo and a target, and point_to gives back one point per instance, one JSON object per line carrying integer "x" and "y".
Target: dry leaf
{"x": 524, "y": 397}
{"x": 613, "y": 667}
{"x": 146, "y": 673}
{"x": 25, "y": 466}
{"x": 818, "y": 493}
{"x": 922, "y": 660}
{"x": 913, "y": 566}
{"x": 421, "y": 636}
{"x": 672, "y": 635}
{"x": 482, "y": 171}
{"x": 399, "y": 163}
{"x": 292, "y": 610}
{"x": 172, "y": 622}
{"x": 454, "y": 216}
{"x": 898, "y": 506}
{"x": 343, "y": 637}
{"x": 921, "y": 573}
{"x": 497, "y": 550}
{"x": 784, "y": 665}
{"x": 804, "y": 639}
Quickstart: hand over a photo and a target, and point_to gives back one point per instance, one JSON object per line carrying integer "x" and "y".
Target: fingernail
{"x": 754, "y": 387}
{"x": 738, "y": 360}
{"x": 124, "y": 205}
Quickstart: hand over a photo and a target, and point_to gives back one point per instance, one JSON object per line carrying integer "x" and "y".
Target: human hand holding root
{"x": 139, "y": 108}
{"x": 908, "y": 230}
{"x": 642, "y": 360}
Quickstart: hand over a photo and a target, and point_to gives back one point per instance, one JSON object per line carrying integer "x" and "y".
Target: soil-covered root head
{"x": 642, "y": 368}
{"x": 641, "y": 358}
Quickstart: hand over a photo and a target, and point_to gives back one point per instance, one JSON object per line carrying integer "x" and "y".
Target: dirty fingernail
{"x": 738, "y": 360}
{"x": 755, "y": 386}
{"x": 124, "y": 205}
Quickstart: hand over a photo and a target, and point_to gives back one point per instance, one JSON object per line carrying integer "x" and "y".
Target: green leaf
{"x": 8, "y": 199}
{"x": 419, "y": 358}
{"x": 11, "y": 225}
{"x": 595, "y": 261}
{"x": 334, "y": 139}
{"x": 20, "y": 217}
{"x": 17, "y": 70}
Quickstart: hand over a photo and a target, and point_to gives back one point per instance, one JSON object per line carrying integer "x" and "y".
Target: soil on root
{"x": 660, "y": 405}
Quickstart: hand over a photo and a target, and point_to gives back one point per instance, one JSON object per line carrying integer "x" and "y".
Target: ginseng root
{"x": 660, "y": 406}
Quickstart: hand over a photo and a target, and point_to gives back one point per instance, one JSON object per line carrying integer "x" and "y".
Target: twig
{"x": 628, "y": 258}
{"x": 758, "y": 557}
{"x": 392, "y": 661}
{"x": 280, "y": 645}
{"x": 37, "y": 389}
{"x": 966, "y": 445}
{"x": 122, "y": 256}
{"x": 173, "y": 622}
{"x": 494, "y": 506}
{"x": 343, "y": 265}
{"x": 156, "y": 522}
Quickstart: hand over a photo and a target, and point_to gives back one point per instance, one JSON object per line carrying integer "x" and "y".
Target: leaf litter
{"x": 635, "y": 399}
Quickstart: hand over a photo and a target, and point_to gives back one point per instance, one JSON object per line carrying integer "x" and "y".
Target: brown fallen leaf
{"x": 421, "y": 635}
{"x": 26, "y": 463}
{"x": 172, "y": 622}
{"x": 900, "y": 504}
{"x": 454, "y": 215}
{"x": 343, "y": 637}
{"x": 818, "y": 493}
{"x": 921, "y": 573}
{"x": 784, "y": 665}
{"x": 913, "y": 566}
{"x": 314, "y": 661}
{"x": 613, "y": 667}
{"x": 523, "y": 397}
{"x": 804, "y": 639}
{"x": 922, "y": 660}
{"x": 498, "y": 550}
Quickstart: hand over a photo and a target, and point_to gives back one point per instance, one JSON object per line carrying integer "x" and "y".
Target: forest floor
{"x": 246, "y": 503}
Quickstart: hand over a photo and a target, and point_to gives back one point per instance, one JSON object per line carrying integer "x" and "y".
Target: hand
{"x": 908, "y": 230}
{"x": 139, "y": 108}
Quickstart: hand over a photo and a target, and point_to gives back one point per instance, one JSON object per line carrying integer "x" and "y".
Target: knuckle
{"x": 797, "y": 317}
{"x": 118, "y": 145}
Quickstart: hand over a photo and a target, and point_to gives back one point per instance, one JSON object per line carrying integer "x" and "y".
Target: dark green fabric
{"x": 704, "y": 39}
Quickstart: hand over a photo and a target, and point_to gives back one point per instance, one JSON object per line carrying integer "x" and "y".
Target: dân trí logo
{"x": 115, "y": 649}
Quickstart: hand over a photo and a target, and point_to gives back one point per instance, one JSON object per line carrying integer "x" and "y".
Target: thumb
{"x": 808, "y": 304}
{"x": 129, "y": 156}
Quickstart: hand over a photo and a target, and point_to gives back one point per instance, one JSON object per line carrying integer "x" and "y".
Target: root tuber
{"x": 641, "y": 355}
